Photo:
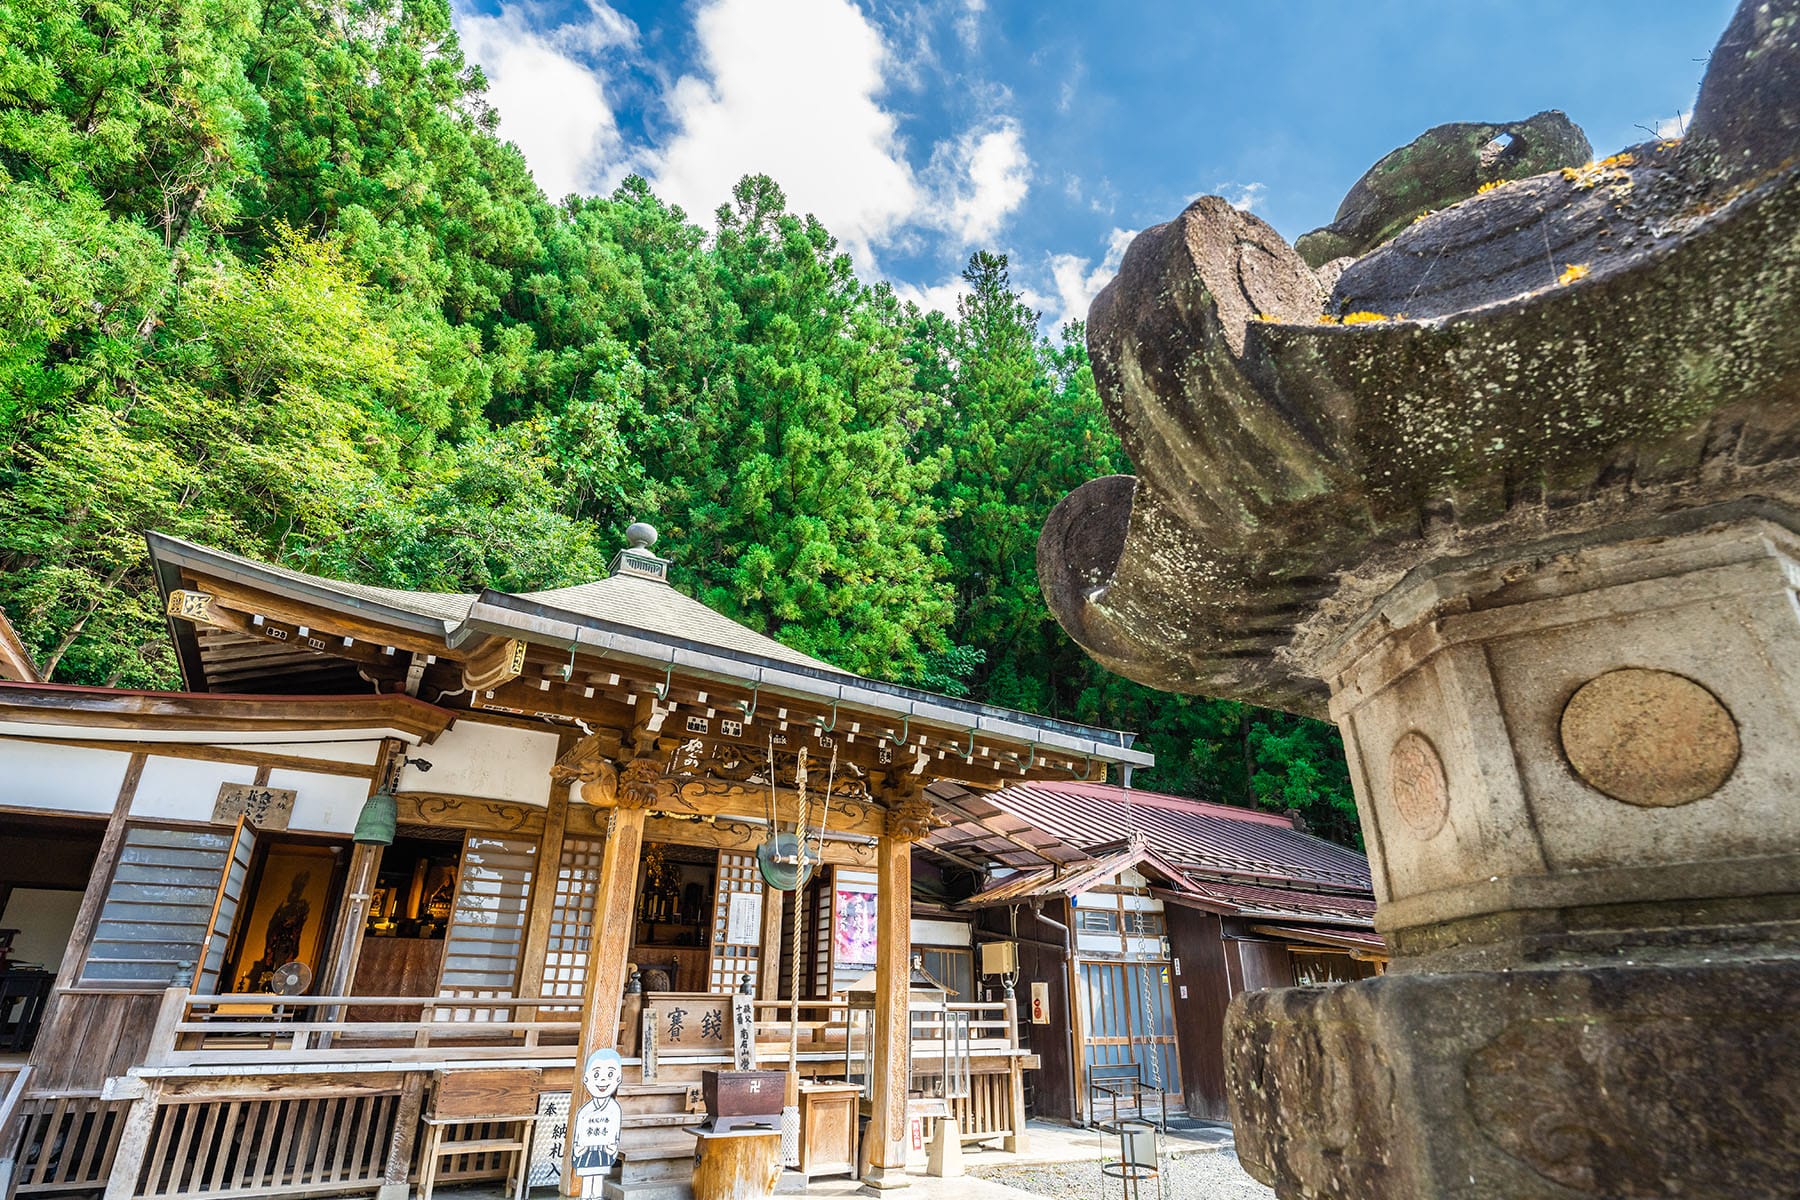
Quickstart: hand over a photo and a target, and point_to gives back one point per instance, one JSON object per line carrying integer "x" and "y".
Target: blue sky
{"x": 923, "y": 130}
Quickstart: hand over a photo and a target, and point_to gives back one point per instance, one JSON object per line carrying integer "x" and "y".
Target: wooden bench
{"x": 1126, "y": 1079}
{"x": 498, "y": 1096}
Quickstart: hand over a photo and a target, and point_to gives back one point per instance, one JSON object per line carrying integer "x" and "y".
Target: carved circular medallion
{"x": 1416, "y": 780}
{"x": 1651, "y": 738}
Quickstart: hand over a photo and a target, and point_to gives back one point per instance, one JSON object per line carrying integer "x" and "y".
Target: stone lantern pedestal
{"x": 1577, "y": 771}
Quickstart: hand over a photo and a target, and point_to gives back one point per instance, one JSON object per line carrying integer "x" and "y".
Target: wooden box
{"x": 739, "y": 1098}
{"x": 493, "y": 1092}
{"x": 828, "y": 1118}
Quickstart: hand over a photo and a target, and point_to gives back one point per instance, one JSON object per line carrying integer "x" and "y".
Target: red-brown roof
{"x": 1209, "y": 839}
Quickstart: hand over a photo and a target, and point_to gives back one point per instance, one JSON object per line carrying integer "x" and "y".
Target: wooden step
{"x": 480, "y": 1144}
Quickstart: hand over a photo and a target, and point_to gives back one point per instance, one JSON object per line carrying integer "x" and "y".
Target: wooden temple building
{"x": 386, "y": 841}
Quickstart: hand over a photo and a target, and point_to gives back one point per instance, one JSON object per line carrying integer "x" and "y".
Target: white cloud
{"x": 794, "y": 89}
{"x": 1241, "y": 196}
{"x": 983, "y": 176}
{"x": 968, "y": 25}
{"x": 1675, "y": 126}
{"x": 551, "y": 97}
{"x": 1077, "y": 283}
{"x": 940, "y": 296}
{"x": 790, "y": 90}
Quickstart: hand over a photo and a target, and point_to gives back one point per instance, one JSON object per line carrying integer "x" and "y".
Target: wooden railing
{"x": 195, "y": 1030}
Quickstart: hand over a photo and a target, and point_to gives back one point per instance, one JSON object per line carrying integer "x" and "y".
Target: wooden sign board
{"x": 686, "y": 1023}
{"x": 1040, "y": 1003}
{"x": 266, "y": 807}
{"x": 743, "y": 1031}
{"x": 647, "y": 1056}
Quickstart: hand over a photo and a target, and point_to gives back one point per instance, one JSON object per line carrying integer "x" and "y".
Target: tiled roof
{"x": 659, "y": 608}
{"x": 633, "y": 619}
{"x": 621, "y": 599}
{"x": 1202, "y": 837}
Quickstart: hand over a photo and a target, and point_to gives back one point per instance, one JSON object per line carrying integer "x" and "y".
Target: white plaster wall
{"x": 184, "y": 789}
{"x": 493, "y": 762}
{"x": 939, "y": 933}
{"x": 60, "y": 778}
{"x": 322, "y": 803}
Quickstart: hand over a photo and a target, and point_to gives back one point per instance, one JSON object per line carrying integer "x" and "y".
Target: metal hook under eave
{"x": 969, "y": 754}
{"x": 1087, "y": 769}
{"x": 668, "y": 683}
{"x": 905, "y": 731}
{"x": 819, "y": 722}
{"x": 569, "y": 671}
{"x": 748, "y": 707}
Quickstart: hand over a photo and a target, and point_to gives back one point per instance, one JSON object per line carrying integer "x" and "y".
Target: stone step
{"x": 657, "y": 1120}
{"x": 653, "y": 1098}
{"x": 667, "y": 1189}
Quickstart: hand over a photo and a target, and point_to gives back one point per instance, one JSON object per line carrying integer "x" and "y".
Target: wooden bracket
{"x": 192, "y": 606}
{"x": 497, "y": 661}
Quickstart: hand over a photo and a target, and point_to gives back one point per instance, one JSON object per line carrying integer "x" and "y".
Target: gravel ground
{"x": 1206, "y": 1175}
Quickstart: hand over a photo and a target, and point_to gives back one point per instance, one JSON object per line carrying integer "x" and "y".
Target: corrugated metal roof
{"x": 1051, "y": 881}
{"x": 1347, "y": 939}
{"x": 1193, "y": 834}
{"x": 1286, "y": 904}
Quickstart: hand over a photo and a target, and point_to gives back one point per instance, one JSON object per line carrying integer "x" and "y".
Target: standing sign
{"x": 598, "y": 1123}
{"x": 547, "y": 1138}
{"x": 743, "y": 1031}
{"x": 1040, "y": 1003}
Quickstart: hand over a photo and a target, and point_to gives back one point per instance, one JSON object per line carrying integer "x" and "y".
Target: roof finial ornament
{"x": 637, "y": 558}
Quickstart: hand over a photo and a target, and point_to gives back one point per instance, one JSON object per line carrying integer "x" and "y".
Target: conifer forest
{"x": 270, "y": 281}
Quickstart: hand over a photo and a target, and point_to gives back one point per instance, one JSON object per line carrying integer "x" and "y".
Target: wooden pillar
{"x": 1018, "y": 1140}
{"x": 400, "y": 1146}
{"x": 543, "y": 897}
{"x": 909, "y": 816}
{"x": 133, "y": 1146}
{"x": 771, "y": 974}
{"x": 628, "y": 794}
{"x": 359, "y": 889}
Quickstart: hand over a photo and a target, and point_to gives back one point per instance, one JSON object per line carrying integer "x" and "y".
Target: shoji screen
{"x": 487, "y": 925}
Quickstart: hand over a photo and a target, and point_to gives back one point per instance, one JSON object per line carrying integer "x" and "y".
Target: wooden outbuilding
{"x": 1137, "y": 916}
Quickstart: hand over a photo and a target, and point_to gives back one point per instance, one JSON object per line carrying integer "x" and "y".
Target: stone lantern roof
{"x": 1604, "y": 343}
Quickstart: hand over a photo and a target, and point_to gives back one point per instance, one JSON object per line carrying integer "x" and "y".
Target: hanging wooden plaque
{"x": 267, "y": 807}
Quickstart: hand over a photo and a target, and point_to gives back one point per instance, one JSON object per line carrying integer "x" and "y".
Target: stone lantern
{"x": 1513, "y": 497}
